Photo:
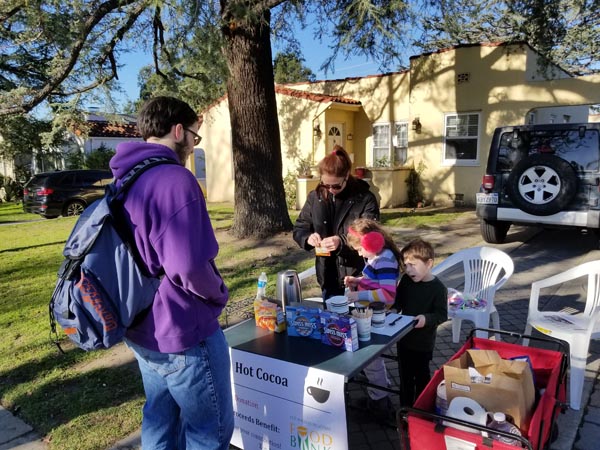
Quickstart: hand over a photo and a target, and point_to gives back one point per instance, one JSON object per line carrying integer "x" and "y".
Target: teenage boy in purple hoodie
{"x": 180, "y": 347}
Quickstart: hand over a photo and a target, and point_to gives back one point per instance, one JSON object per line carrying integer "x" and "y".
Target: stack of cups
{"x": 363, "y": 323}
{"x": 378, "y": 320}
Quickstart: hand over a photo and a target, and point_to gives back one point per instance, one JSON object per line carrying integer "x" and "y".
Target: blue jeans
{"x": 188, "y": 396}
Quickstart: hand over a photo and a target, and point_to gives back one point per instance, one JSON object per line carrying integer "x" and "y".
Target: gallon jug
{"x": 288, "y": 288}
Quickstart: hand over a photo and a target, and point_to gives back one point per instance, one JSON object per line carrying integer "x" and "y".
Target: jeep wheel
{"x": 74, "y": 208}
{"x": 493, "y": 231}
{"x": 542, "y": 184}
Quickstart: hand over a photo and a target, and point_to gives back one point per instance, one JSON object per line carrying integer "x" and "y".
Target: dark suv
{"x": 66, "y": 192}
{"x": 547, "y": 175}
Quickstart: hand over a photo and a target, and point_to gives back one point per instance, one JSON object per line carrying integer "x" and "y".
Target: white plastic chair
{"x": 569, "y": 325}
{"x": 486, "y": 269}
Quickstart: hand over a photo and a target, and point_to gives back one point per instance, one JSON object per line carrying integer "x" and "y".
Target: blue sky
{"x": 314, "y": 53}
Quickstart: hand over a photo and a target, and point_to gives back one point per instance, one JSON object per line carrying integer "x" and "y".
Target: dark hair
{"x": 337, "y": 163}
{"x": 418, "y": 248}
{"x": 158, "y": 115}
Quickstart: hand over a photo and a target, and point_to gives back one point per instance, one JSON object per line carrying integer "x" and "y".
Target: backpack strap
{"x": 122, "y": 226}
{"x": 138, "y": 169}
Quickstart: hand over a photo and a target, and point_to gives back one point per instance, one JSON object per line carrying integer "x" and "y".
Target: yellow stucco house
{"x": 438, "y": 117}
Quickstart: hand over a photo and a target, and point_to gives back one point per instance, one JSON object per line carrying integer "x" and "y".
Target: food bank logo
{"x": 303, "y": 438}
{"x": 91, "y": 295}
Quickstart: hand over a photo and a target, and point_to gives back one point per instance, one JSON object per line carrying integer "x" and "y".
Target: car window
{"x": 582, "y": 152}
{"x": 92, "y": 179}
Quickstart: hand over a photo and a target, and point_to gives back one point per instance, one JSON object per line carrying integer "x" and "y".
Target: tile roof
{"x": 322, "y": 98}
{"x": 117, "y": 130}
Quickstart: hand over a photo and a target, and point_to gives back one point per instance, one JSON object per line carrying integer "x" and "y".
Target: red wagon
{"x": 420, "y": 428}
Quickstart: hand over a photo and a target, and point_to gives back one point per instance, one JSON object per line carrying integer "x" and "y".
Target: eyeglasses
{"x": 335, "y": 187}
{"x": 197, "y": 137}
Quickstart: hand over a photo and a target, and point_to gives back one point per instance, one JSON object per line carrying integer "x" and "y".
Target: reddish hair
{"x": 337, "y": 163}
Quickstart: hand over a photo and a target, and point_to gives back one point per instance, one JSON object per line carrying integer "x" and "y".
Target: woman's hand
{"x": 331, "y": 243}
{"x": 314, "y": 240}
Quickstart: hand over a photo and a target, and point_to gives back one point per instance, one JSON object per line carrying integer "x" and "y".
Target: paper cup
{"x": 363, "y": 327}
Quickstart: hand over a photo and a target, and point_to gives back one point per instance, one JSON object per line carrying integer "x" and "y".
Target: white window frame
{"x": 461, "y": 132}
{"x": 391, "y": 141}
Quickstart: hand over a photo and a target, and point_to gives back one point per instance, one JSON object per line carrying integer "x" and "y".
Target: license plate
{"x": 487, "y": 199}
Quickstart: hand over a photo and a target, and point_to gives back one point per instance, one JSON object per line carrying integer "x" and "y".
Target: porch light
{"x": 416, "y": 125}
{"x": 317, "y": 131}
{"x": 349, "y": 137}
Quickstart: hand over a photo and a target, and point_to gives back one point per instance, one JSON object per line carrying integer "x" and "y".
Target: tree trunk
{"x": 260, "y": 206}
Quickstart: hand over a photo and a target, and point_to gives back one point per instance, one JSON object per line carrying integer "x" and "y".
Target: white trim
{"x": 446, "y": 162}
{"x": 571, "y": 218}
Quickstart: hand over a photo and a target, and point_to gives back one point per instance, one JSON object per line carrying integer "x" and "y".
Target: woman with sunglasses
{"x": 323, "y": 223}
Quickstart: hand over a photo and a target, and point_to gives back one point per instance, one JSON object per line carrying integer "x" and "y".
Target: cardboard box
{"x": 303, "y": 322}
{"x": 504, "y": 386}
{"x": 339, "y": 331}
{"x": 269, "y": 315}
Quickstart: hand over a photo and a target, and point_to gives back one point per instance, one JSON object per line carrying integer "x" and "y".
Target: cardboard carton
{"x": 497, "y": 384}
{"x": 339, "y": 331}
{"x": 303, "y": 322}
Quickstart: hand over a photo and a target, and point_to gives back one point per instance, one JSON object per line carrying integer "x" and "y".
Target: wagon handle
{"x": 562, "y": 346}
{"x": 404, "y": 411}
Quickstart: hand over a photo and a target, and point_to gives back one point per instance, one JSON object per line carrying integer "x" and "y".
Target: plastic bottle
{"x": 499, "y": 423}
{"x": 261, "y": 291}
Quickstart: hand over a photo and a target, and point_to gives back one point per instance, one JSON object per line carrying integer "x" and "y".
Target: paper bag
{"x": 504, "y": 385}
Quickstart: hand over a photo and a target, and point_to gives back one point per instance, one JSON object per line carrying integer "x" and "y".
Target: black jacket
{"x": 318, "y": 216}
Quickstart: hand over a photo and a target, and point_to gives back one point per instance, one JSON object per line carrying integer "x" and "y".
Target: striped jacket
{"x": 379, "y": 280}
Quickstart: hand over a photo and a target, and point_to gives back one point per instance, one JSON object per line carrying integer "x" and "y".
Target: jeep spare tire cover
{"x": 542, "y": 184}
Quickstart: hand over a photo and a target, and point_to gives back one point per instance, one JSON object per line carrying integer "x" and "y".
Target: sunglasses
{"x": 335, "y": 187}
{"x": 197, "y": 137}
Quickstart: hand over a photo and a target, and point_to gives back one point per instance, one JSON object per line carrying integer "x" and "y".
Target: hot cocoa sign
{"x": 280, "y": 405}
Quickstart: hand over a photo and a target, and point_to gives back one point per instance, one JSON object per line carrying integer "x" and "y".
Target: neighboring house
{"x": 437, "y": 116}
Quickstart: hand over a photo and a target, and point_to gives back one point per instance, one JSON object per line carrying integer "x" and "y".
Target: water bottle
{"x": 499, "y": 423}
{"x": 261, "y": 291}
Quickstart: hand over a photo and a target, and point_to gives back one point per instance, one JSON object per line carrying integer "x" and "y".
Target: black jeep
{"x": 543, "y": 175}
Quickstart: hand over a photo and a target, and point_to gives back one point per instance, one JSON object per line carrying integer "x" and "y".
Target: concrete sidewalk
{"x": 578, "y": 430}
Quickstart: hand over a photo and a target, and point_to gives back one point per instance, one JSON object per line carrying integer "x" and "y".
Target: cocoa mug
{"x": 320, "y": 395}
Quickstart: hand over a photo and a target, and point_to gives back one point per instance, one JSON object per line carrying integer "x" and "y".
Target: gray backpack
{"x": 102, "y": 283}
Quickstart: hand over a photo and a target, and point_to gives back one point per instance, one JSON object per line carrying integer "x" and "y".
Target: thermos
{"x": 288, "y": 288}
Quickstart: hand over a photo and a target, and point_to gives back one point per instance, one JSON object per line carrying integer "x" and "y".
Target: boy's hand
{"x": 420, "y": 321}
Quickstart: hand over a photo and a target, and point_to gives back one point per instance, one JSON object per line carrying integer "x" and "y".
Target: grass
{"x": 71, "y": 399}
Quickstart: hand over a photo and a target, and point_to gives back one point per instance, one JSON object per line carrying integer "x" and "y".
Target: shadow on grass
{"x": 71, "y": 394}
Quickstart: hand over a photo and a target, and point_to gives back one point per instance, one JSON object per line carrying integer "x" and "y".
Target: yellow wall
{"x": 503, "y": 86}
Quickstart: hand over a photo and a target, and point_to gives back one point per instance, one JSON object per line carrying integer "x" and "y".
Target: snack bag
{"x": 269, "y": 315}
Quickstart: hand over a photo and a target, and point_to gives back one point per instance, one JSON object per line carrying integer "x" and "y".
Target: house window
{"x": 390, "y": 144}
{"x": 461, "y": 139}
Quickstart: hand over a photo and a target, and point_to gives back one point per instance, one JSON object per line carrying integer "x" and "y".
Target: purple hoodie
{"x": 172, "y": 231}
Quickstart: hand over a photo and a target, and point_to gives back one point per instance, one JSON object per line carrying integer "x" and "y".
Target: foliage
{"x": 99, "y": 158}
{"x": 384, "y": 161}
{"x": 290, "y": 187}
{"x": 414, "y": 185}
{"x": 304, "y": 167}
{"x": 563, "y": 31}
{"x": 288, "y": 67}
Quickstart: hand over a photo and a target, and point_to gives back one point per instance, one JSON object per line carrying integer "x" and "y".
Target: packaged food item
{"x": 303, "y": 322}
{"x": 322, "y": 251}
{"x": 269, "y": 315}
{"x": 339, "y": 330}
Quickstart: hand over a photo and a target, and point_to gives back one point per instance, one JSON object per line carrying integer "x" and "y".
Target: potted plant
{"x": 304, "y": 168}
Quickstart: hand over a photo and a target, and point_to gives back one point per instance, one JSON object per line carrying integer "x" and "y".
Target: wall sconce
{"x": 416, "y": 125}
{"x": 317, "y": 131}
{"x": 349, "y": 137}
